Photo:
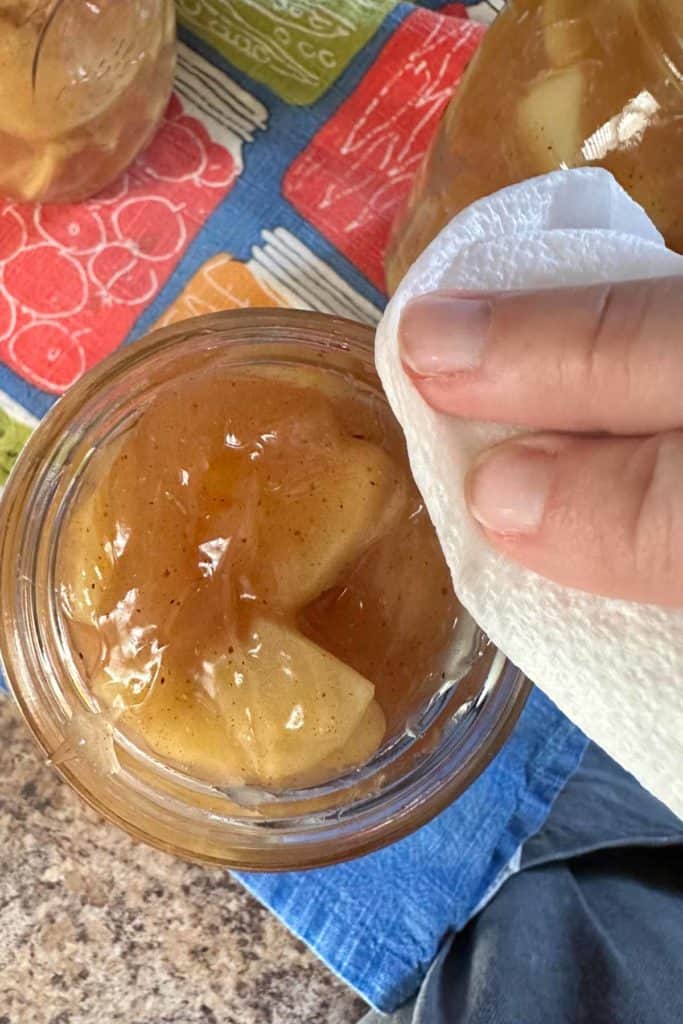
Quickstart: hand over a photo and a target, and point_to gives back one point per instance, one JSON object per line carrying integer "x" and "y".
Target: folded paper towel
{"x": 614, "y": 667}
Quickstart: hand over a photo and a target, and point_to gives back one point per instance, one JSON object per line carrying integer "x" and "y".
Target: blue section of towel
{"x": 378, "y": 921}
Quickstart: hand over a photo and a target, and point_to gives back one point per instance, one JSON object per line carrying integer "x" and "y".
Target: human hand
{"x": 594, "y": 497}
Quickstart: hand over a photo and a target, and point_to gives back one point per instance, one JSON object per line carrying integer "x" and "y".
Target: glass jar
{"x": 450, "y": 738}
{"x": 559, "y": 83}
{"x": 83, "y": 87}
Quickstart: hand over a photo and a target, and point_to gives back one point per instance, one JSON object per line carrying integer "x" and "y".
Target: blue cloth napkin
{"x": 378, "y": 921}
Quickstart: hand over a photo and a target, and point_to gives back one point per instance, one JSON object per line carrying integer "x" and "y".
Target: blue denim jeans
{"x": 588, "y": 931}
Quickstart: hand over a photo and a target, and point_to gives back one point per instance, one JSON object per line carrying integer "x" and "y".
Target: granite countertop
{"x": 97, "y": 929}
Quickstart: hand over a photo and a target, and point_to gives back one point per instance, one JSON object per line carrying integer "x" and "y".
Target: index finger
{"x": 602, "y": 358}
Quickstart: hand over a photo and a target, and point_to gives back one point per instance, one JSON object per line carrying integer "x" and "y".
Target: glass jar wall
{"x": 451, "y": 725}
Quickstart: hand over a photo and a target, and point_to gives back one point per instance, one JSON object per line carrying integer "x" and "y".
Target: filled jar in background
{"x": 83, "y": 88}
{"x": 559, "y": 83}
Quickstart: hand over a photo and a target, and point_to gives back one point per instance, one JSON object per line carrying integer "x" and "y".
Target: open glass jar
{"x": 83, "y": 88}
{"x": 559, "y": 83}
{"x": 452, "y": 724}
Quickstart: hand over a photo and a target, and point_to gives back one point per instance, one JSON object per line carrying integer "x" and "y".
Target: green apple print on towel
{"x": 13, "y": 435}
{"x": 298, "y": 48}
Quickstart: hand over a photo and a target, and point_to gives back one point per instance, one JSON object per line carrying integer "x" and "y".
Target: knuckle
{"x": 657, "y": 518}
{"x": 617, "y": 333}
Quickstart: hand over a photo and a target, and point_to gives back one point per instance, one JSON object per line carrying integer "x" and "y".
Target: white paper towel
{"x": 614, "y": 667}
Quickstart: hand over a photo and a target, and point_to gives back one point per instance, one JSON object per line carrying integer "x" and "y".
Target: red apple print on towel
{"x": 13, "y": 232}
{"x": 126, "y": 279}
{"x": 82, "y": 232}
{"x": 74, "y": 279}
{"x": 46, "y": 281}
{"x": 179, "y": 156}
{"x": 7, "y": 318}
{"x": 44, "y": 347}
{"x": 354, "y": 174}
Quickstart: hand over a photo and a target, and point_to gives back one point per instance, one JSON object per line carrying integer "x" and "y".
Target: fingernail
{"x": 442, "y": 334}
{"x": 508, "y": 488}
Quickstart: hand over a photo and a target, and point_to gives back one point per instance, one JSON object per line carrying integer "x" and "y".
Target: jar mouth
{"x": 408, "y": 781}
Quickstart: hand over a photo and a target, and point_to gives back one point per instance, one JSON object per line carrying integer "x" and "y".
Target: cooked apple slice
{"x": 258, "y": 731}
{"x": 549, "y": 118}
{"x": 87, "y": 546}
{"x": 567, "y": 32}
{"x": 297, "y": 375}
{"x": 180, "y": 725}
{"x": 363, "y": 743}
{"x": 310, "y": 528}
{"x": 289, "y": 706}
{"x": 32, "y": 176}
{"x": 110, "y": 548}
{"x": 179, "y": 542}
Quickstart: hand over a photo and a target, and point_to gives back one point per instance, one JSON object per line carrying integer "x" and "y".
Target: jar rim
{"x": 172, "y": 816}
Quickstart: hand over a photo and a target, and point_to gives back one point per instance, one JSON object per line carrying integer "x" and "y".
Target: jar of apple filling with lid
{"x": 224, "y": 611}
{"x": 559, "y": 83}
{"x": 83, "y": 88}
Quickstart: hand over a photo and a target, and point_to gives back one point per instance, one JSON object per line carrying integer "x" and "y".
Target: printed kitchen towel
{"x": 291, "y": 139}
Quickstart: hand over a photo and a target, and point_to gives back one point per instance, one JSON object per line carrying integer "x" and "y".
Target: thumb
{"x": 604, "y": 515}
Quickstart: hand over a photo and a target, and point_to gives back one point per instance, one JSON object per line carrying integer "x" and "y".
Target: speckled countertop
{"x": 96, "y": 929}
